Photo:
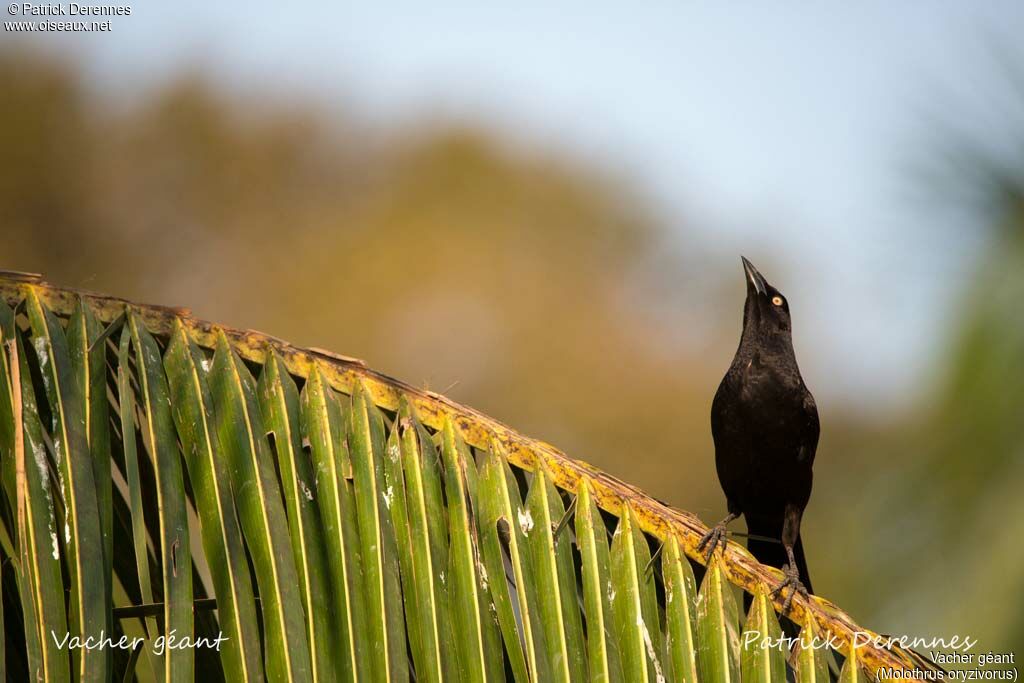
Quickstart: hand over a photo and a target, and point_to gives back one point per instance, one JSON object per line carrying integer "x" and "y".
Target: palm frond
{"x": 348, "y": 525}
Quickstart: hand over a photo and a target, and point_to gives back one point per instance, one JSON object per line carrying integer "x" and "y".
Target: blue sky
{"x": 787, "y": 132}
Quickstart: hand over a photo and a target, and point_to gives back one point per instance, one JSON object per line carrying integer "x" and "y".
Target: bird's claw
{"x": 792, "y": 581}
{"x": 712, "y": 539}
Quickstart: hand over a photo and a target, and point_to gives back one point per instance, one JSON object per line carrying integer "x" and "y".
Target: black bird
{"x": 765, "y": 425}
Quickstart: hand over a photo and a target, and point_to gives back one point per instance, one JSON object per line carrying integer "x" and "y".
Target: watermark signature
{"x": 71, "y": 17}
{"x": 160, "y": 645}
{"x": 943, "y": 652}
{"x": 957, "y": 644}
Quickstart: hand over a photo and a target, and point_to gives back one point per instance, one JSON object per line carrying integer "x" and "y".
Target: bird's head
{"x": 766, "y": 311}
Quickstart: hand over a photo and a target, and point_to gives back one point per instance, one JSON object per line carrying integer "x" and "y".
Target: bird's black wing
{"x": 809, "y": 436}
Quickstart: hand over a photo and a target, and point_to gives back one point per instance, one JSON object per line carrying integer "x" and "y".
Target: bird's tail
{"x": 772, "y": 552}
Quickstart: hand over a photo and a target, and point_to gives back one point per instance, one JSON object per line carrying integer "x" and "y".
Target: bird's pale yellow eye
{"x": 777, "y": 300}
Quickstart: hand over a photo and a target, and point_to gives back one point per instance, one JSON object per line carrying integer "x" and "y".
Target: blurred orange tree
{"x": 515, "y": 272}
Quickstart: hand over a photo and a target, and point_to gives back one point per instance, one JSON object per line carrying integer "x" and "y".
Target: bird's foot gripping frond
{"x": 793, "y": 582}
{"x": 715, "y": 536}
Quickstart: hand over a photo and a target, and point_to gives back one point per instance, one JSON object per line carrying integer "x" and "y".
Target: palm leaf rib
{"x": 362, "y": 581}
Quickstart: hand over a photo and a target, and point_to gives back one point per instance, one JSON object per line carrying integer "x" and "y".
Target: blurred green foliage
{"x": 497, "y": 276}
{"x": 953, "y": 502}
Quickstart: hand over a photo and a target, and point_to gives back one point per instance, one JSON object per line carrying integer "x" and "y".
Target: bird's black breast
{"x": 765, "y": 426}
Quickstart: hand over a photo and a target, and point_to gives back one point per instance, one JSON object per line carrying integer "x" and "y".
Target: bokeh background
{"x": 539, "y": 211}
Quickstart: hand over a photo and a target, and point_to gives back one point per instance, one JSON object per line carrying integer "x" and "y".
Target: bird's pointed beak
{"x": 755, "y": 281}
